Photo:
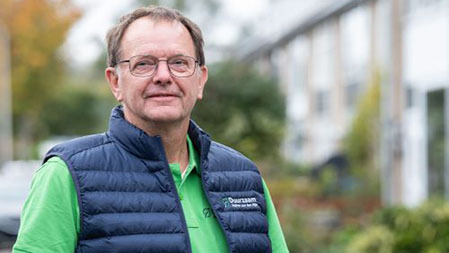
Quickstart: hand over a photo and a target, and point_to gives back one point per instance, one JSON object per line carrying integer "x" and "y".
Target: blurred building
{"x": 325, "y": 63}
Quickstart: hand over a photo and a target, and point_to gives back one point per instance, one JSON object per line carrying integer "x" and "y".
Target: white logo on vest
{"x": 240, "y": 203}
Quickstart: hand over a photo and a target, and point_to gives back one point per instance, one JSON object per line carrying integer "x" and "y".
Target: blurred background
{"x": 343, "y": 104}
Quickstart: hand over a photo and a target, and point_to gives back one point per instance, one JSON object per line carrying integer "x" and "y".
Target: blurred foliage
{"x": 376, "y": 239}
{"x": 78, "y": 110}
{"x": 398, "y": 229}
{"x": 285, "y": 193}
{"x": 328, "y": 181}
{"x": 339, "y": 240}
{"x": 361, "y": 144}
{"x": 298, "y": 240}
{"x": 243, "y": 110}
{"x": 316, "y": 223}
{"x": 37, "y": 30}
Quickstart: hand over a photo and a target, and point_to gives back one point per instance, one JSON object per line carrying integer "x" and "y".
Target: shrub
{"x": 402, "y": 230}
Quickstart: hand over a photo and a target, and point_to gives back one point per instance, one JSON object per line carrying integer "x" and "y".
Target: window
{"x": 322, "y": 102}
{"x": 409, "y": 97}
{"x": 351, "y": 95}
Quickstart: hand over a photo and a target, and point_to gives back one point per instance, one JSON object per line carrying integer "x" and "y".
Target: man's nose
{"x": 162, "y": 73}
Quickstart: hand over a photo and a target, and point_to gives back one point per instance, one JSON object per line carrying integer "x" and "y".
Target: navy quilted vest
{"x": 129, "y": 202}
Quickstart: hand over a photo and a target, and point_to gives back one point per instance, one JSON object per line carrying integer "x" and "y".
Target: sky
{"x": 265, "y": 19}
{"x": 85, "y": 40}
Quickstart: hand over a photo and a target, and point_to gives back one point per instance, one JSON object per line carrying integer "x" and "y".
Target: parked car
{"x": 15, "y": 180}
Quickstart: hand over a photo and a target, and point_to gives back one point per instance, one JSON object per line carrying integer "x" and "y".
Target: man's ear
{"x": 112, "y": 77}
{"x": 202, "y": 82}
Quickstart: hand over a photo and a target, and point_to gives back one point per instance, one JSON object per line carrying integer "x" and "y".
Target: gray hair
{"x": 156, "y": 13}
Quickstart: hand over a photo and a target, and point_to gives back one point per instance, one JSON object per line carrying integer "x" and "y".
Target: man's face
{"x": 160, "y": 98}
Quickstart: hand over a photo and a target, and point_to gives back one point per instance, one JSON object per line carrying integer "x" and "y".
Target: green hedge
{"x": 400, "y": 230}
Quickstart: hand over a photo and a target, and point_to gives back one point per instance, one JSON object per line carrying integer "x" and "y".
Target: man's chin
{"x": 165, "y": 118}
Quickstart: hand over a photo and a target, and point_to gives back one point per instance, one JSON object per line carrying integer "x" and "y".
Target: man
{"x": 154, "y": 182}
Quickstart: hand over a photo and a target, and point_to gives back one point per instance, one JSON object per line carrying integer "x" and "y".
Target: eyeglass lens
{"x": 180, "y": 66}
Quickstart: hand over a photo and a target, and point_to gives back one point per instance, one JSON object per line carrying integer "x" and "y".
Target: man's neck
{"x": 174, "y": 139}
{"x": 175, "y": 145}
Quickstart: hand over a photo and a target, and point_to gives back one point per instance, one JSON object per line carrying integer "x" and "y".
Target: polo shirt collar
{"x": 194, "y": 158}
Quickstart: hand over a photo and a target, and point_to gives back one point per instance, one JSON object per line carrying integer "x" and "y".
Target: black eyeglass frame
{"x": 196, "y": 63}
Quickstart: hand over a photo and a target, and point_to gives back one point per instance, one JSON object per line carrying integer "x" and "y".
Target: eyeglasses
{"x": 146, "y": 65}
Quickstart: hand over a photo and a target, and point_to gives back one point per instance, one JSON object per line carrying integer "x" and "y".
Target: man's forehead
{"x": 146, "y": 25}
{"x": 158, "y": 32}
{"x": 150, "y": 21}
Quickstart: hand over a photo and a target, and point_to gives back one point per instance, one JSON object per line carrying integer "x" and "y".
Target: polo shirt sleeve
{"x": 50, "y": 215}
{"x": 278, "y": 244}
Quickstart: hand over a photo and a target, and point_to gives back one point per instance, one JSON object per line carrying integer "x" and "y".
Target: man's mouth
{"x": 162, "y": 96}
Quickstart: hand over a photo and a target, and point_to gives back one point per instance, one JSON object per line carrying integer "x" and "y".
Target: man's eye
{"x": 178, "y": 62}
{"x": 144, "y": 63}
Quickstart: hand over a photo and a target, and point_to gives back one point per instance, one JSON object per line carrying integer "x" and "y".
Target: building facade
{"x": 325, "y": 64}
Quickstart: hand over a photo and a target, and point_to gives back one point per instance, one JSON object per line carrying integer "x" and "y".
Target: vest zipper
{"x": 178, "y": 201}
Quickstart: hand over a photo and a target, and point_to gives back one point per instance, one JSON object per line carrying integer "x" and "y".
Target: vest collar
{"x": 137, "y": 142}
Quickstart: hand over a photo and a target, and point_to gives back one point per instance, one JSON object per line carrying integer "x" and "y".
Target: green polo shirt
{"x": 50, "y": 216}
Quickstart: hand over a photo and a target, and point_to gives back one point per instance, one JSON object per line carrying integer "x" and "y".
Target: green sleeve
{"x": 50, "y": 215}
{"x": 278, "y": 244}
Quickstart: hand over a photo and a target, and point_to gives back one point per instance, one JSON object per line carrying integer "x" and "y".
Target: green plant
{"x": 242, "y": 109}
{"x": 376, "y": 239}
{"x": 402, "y": 230}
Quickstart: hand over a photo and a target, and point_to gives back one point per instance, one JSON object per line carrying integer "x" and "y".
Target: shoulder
{"x": 223, "y": 151}
{"x": 52, "y": 179}
{"x": 229, "y": 157}
{"x": 82, "y": 143}
{"x": 54, "y": 169}
{"x": 49, "y": 215}
{"x": 77, "y": 145}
